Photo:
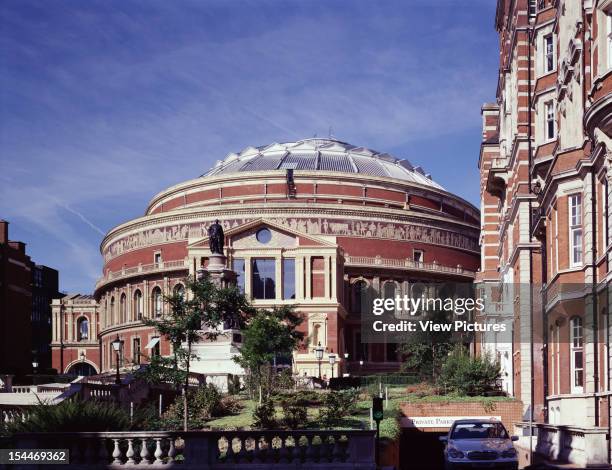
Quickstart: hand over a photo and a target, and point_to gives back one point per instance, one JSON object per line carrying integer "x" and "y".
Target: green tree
{"x": 193, "y": 316}
{"x": 268, "y": 334}
{"x": 467, "y": 375}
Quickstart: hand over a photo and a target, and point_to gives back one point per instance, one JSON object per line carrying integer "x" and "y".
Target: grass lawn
{"x": 361, "y": 418}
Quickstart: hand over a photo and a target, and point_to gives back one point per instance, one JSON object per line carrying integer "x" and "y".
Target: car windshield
{"x": 479, "y": 431}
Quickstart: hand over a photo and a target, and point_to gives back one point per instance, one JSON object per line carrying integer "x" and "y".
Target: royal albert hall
{"x": 311, "y": 223}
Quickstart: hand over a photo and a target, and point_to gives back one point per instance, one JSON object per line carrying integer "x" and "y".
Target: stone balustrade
{"x": 162, "y": 266}
{"x": 407, "y": 263}
{"x": 307, "y": 449}
{"x": 585, "y": 447}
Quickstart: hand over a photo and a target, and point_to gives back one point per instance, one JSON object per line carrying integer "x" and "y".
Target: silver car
{"x": 479, "y": 443}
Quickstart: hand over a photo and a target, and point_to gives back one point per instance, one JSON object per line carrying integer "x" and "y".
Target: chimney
{"x": 3, "y": 231}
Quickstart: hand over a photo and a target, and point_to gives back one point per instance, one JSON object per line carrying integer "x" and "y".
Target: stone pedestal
{"x": 218, "y": 272}
{"x": 215, "y": 358}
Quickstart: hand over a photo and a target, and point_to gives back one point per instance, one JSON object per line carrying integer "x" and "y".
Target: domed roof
{"x": 323, "y": 155}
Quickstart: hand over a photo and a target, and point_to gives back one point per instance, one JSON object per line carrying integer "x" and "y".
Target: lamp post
{"x": 361, "y": 366}
{"x": 319, "y": 355}
{"x": 34, "y": 366}
{"x": 332, "y": 361}
{"x": 117, "y": 346}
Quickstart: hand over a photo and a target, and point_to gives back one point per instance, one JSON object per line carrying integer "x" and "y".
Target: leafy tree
{"x": 268, "y": 334}
{"x": 467, "y": 375}
{"x": 264, "y": 415}
{"x": 337, "y": 405}
{"x": 193, "y": 316}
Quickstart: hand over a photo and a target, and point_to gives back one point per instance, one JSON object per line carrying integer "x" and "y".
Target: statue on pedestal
{"x": 216, "y": 238}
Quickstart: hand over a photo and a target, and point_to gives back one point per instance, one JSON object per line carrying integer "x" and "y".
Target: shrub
{"x": 295, "y": 413}
{"x": 264, "y": 414}
{"x": 234, "y": 386}
{"x": 337, "y": 405}
{"x": 206, "y": 401}
{"x": 466, "y": 375}
{"x": 202, "y": 404}
{"x": 230, "y": 405}
{"x": 72, "y": 416}
{"x": 390, "y": 428}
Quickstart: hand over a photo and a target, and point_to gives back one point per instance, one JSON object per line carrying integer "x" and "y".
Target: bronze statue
{"x": 216, "y": 238}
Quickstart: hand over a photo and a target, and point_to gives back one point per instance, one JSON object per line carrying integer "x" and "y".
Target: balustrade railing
{"x": 143, "y": 269}
{"x": 211, "y": 449}
{"x": 406, "y": 263}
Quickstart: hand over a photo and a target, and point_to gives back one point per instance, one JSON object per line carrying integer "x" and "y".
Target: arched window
{"x": 358, "y": 296}
{"x": 157, "y": 301}
{"x": 138, "y": 305}
{"x": 179, "y": 290}
{"x": 82, "y": 329}
{"x": 123, "y": 309}
{"x": 389, "y": 293}
{"x": 112, "y": 311}
{"x": 576, "y": 355}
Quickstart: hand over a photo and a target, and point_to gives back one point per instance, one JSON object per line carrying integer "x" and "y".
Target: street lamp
{"x": 117, "y": 346}
{"x": 332, "y": 361}
{"x": 34, "y": 365}
{"x": 319, "y": 355}
{"x": 346, "y": 355}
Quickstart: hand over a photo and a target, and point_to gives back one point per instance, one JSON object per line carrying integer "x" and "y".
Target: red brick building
{"x": 15, "y": 305}
{"x": 309, "y": 223}
{"x": 26, "y": 290}
{"x": 545, "y": 170}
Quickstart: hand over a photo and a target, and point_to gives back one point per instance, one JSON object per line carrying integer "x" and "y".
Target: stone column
{"x": 278, "y": 274}
{"x": 334, "y": 277}
{"x": 299, "y": 278}
{"x": 248, "y": 273}
{"x": 308, "y": 277}
{"x": 326, "y": 276}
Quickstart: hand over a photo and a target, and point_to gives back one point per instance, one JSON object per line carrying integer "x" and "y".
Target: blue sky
{"x": 105, "y": 103}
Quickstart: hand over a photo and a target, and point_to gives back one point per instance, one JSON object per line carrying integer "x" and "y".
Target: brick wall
{"x": 510, "y": 411}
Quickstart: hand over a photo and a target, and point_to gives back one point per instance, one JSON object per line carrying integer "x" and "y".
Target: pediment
{"x": 245, "y": 235}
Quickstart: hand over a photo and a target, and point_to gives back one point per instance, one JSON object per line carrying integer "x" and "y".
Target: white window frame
{"x": 549, "y": 50}
{"x": 576, "y": 346}
{"x": 157, "y": 258}
{"x": 575, "y": 228}
{"x": 549, "y": 118}
{"x": 421, "y": 258}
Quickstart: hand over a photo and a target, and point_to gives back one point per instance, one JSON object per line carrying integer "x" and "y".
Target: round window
{"x": 264, "y": 235}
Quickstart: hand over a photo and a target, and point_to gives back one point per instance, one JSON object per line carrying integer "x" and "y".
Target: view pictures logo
{"x": 406, "y": 305}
